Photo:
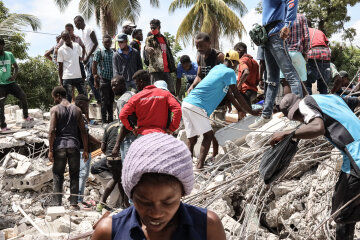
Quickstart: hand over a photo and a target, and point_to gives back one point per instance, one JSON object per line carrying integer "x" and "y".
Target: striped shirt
{"x": 299, "y": 39}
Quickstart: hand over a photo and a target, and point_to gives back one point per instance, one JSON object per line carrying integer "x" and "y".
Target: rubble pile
{"x": 25, "y": 183}
{"x": 292, "y": 207}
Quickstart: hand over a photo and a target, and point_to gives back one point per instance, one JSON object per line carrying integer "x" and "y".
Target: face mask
{"x": 155, "y": 32}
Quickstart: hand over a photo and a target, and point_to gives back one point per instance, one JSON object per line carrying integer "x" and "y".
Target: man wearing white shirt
{"x": 68, "y": 58}
{"x": 91, "y": 44}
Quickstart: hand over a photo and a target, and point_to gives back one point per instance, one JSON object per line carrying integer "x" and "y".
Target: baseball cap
{"x": 343, "y": 74}
{"x": 128, "y": 23}
{"x": 232, "y": 55}
{"x": 122, "y": 37}
{"x": 161, "y": 84}
{"x": 289, "y": 105}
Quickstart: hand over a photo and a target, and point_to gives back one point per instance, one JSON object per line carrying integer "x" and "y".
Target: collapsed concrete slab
{"x": 234, "y": 131}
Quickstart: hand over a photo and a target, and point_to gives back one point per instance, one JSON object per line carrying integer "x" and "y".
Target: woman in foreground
{"x": 157, "y": 173}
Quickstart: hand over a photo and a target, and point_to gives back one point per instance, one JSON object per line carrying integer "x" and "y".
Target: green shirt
{"x": 5, "y": 67}
{"x": 104, "y": 59}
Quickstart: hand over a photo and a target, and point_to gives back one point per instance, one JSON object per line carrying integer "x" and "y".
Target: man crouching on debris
{"x": 206, "y": 97}
{"x": 333, "y": 117}
{"x": 64, "y": 145}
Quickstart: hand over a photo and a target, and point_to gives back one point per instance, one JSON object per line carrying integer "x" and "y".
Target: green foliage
{"x": 10, "y": 30}
{"x": 345, "y": 58}
{"x": 108, "y": 13}
{"x": 175, "y": 46}
{"x": 330, "y": 15}
{"x": 37, "y": 77}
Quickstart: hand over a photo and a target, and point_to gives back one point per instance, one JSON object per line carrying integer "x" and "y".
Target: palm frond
{"x": 87, "y": 8}
{"x": 15, "y": 22}
{"x": 237, "y": 6}
{"x": 155, "y": 3}
{"x": 121, "y": 13}
{"x": 62, "y": 4}
{"x": 181, "y": 4}
{"x": 208, "y": 16}
{"x": 190, "y": 24}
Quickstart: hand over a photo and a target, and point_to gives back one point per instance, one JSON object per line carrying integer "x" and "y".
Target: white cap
{"x": 161, "y": 84}
{"x": 128, "y": 23}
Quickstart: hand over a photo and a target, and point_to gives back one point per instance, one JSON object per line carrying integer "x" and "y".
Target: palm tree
{"x": 11, "y": 25}
{"x": 214, "y": 17}
{"x": 108, "y": 13}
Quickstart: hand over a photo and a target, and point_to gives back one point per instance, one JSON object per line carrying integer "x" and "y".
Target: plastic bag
{"x": 276, "y": 160}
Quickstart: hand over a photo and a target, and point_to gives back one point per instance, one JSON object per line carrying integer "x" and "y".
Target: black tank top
{"x": 67, "y": 135}
{"x": 207, "y": 64}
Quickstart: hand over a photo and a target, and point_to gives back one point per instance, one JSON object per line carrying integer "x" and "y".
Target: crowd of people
{"x": 147, "y": 170}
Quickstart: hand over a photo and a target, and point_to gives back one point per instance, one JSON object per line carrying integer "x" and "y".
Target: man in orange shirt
{"x": 248, "y": 75}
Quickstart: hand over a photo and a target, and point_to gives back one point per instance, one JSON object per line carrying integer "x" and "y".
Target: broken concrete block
{"x": 222, "y": 208}
{"x": 284, "y": 188}
{"x": 62, "y": 225}
{"x": 231, "y": 225}
{"x": 11, "y": 109}
{"x": 34, "y": 113}
{"x": 20, "y": 229}
{"x": 10, "y": 142}
{"x": 22, "y": 168}
{"x": 55, "y": 212}
{"x": 21, "y": 135}
{"x": 259, "y": 137}
{"x": 33, "y": 180}
{"x": 46, "y": 116}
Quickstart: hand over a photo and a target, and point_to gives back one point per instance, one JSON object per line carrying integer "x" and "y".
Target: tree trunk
{"x": 214, "y": 35}
{"x": 102, "y": 21}
{"x": 108, "y": 26}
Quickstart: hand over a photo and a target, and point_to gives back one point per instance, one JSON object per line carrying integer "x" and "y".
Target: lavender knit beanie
{"x": 157, "y": 153}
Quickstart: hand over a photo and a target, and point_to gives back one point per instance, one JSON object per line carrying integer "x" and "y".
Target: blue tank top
{"x": 192, "y": 224}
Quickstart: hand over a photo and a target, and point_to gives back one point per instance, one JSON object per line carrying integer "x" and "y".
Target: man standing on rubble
{"x": 9, "y": 86}
{"x": 91, "y": 44}
{"x": 64, "y": 145}
{"x": 333, "y": 117}
{"x": 277, "y": 17}
{"x": 205, "y": 98}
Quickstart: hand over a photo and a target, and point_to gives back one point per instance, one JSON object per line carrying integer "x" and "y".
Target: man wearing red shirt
{"x": 161, "y": 60}
{"x": 248, "y": 75}
{"x": 318, "y": 67}
{"x": 151, "y": 107}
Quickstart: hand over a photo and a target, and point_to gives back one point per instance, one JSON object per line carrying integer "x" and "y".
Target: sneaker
{"x": 259, "y": 122}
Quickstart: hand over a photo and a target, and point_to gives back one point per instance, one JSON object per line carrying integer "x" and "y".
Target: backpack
{"x": 258, "y": 35}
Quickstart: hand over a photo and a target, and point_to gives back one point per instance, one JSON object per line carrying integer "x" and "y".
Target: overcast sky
{"x": 53, "y": 22}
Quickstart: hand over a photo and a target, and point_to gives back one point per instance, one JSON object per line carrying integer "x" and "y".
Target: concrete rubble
{"x": 290, "y": 208}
